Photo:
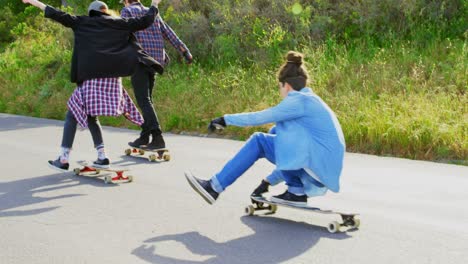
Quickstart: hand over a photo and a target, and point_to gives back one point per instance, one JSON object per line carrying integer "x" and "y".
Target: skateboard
{"x": 347, "y": 220}
{"x": 157, "y": 155}
{"x": 90, "y": 171}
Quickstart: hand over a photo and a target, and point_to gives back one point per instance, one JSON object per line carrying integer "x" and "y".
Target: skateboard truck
{"x": 158, "y": 155}
{"x": 259, "y": 206}
{"x": 88, "y": 170}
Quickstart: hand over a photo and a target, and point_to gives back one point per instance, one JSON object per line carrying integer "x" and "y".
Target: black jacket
{"x": 105, "y": 46}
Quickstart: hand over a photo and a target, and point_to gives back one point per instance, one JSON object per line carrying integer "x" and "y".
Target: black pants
{"x": 69, "y": 130}
{"x": 143, "y": 81}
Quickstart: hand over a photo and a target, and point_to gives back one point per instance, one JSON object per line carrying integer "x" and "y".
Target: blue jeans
{"x": 69, "y": 130}
{"x": 259, "y": 145}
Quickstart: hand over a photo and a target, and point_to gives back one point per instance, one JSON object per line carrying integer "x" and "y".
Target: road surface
{"x": 411, "y": 211}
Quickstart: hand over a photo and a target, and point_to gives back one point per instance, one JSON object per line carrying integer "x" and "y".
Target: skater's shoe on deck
{"x": 58, "y": 165}
{"x": 142, "y": 140}
{"x": 261, "y": 189}
{"x": 202, "y": 187}
{"x": 156, "y": 143}
{"x": 102, "y": 163}
{"x": 290, "y": 198}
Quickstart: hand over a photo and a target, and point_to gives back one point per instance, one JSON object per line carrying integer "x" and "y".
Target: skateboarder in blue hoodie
{"x": 306, "y": 145}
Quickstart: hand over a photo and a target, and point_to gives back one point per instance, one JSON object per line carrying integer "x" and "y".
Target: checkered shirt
{"x": 152, "y": 38}
{"x": 102, "y": 97}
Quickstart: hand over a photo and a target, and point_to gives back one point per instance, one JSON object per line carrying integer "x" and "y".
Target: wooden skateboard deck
{"x": 90, "y": 171}
{"x": 347, "y": 220}
{"x": 157, "y": 155}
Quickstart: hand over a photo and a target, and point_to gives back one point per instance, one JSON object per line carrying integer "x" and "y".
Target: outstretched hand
{"x": 35, "y": 3}
{"x": 217, "y": 123}
{"x": 188, "y": 57}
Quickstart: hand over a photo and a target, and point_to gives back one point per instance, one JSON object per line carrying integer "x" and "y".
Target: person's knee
{"x": 141, "y": 96}
{"x": 143, "y": 100}
{"x": 259, "y": 139}
{"x": 258, "y": 136}
{"x": 93, "y": 120}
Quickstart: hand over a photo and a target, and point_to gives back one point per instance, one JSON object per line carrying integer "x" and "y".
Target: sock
{"x": 101, "y": 152}
{"x": 64, "y": 154}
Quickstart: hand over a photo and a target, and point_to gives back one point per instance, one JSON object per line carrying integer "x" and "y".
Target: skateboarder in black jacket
{"x": 104, "y": 50}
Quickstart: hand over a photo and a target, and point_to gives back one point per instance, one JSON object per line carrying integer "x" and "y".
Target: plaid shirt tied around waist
{"x": 102, "y": 97}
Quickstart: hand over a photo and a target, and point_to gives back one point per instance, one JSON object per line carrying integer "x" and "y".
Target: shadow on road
{"x": 274, "y": 240}
{"x": 127, "y": 161}
{"x": 134, "y": 160}
{"x": 26, "y": 192}
{"x": 12, "y": 122}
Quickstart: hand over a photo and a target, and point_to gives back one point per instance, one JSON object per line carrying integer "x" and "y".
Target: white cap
{"x": 96, "y": 6}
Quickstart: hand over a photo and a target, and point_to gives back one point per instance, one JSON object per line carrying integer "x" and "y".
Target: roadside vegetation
{"x": 394, "y": 71}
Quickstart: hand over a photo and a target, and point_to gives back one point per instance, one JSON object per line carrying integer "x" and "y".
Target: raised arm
{"x": 35, "y": 3}
{"x": 169, "y": 34}
{"x": 54, "y": 14}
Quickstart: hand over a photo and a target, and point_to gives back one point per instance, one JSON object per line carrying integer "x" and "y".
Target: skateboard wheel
{"x": 142, "y": 152}
{"x": 128, "y": 152}
{"x": 108, "y": 179}
{"x": 130, "y": 178}
{"x": 76, "y": 171}
{"x": 167, "y": 157}
{"x": 249, "y": 210}
{"x": 273, "y": 208}
{"x": 333, "y": 227}
{"x": 357, "y": 222}
{"x": 98, "y": 171}
{"x": 152, "y": 157}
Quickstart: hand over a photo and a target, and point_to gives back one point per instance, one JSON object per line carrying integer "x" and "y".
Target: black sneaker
{"x": 57, "y": 165}
{"x": 290, "y": 198}
{"x": 261, "y": 189}
{"x": 202, "y": 187}
{"x": 139, "y": 142}
{"x": 102, "y": 163}
{"x": 156, "y": 143}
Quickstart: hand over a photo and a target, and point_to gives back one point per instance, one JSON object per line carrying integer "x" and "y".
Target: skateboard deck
{"x": 346, "y": 221}
{"x": 90, "y": 171}
{"x": 156, "y": 155}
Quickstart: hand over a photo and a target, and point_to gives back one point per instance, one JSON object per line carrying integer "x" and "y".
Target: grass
{"x": 405, "y": 99}
{"x": 399, "y": 101}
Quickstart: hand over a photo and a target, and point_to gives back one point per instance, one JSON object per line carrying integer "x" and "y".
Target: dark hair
{"x": 133, "y": 1}
{"x": 293, "y": 71}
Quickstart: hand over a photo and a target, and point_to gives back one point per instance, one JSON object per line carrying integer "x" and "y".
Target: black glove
{"x": 188, "y": 57}
{"x": 217, "y": 123}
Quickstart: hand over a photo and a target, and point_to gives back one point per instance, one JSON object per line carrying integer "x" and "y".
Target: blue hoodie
{"x": 308, "y": 135}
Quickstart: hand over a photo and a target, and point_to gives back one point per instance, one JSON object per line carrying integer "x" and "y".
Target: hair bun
{"x": 294, "y": 57}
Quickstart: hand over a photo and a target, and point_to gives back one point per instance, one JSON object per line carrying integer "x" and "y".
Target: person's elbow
{"x": 153, "y": 11}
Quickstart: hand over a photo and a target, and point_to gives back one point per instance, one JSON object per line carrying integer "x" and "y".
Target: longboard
{"x": 90, "y": 171}
{"x": 157, "y": 155}
{"x": 347, "y": 220}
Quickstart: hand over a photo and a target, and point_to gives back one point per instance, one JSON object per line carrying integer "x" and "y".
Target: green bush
{"x": 394, "y": 71}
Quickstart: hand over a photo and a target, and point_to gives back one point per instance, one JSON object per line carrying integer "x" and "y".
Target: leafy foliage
{"x": 394, "y": 71}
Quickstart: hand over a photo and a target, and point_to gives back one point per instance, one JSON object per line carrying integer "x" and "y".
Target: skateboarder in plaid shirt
{"x": 143, "y": 80}
{"x": 97, "y": 72}
{"x": 307, "y": 143}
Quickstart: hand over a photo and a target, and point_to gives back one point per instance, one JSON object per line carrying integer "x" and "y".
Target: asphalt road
{"x": 411, "y": 211}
